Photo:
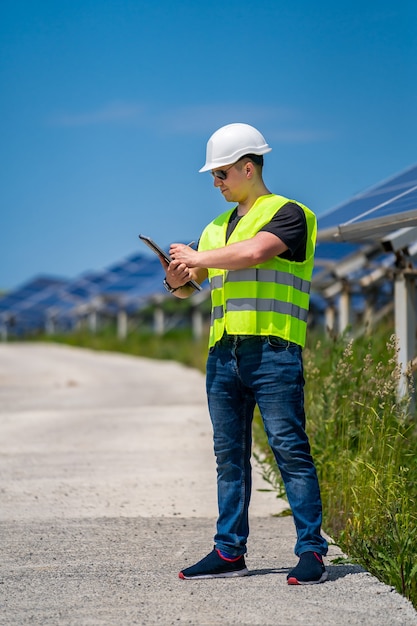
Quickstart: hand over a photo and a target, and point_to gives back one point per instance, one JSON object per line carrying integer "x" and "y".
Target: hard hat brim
{"x": 232, "y": 158}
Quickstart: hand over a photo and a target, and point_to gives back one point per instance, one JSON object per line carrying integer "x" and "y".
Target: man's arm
{"x": 236, "y": 256}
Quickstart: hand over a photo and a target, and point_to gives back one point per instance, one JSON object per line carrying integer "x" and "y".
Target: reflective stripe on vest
{"x": 286, "y": 308}
{"x": 255, "y": 305}
{"x": 269, "y": 276}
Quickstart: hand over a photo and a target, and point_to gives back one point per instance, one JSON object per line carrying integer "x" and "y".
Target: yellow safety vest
{"x": 271, "y": 298}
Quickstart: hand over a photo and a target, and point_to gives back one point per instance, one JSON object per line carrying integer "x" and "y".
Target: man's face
{"x": 229, "y": 179}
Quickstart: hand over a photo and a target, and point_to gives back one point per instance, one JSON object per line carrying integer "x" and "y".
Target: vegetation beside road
{"x": 364, "y": 443}
{"x": 363, "y": 440}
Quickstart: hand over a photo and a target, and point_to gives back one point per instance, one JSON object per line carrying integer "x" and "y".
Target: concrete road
{"x": 107, "y": 489}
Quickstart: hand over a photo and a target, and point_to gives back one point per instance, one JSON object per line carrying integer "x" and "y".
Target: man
{"x": 258, "y": 257}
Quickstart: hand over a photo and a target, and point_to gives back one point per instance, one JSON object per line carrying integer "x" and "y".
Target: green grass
{"x": 174, "y": 345}
{"x": 365, "y": 445}
{"x": 363, "y": 441}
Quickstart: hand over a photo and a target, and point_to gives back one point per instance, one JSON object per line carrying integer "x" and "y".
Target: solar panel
{"x": 128, "y": 283}
{"x": 352, "y": 235}
{"x": 391, "y": 202}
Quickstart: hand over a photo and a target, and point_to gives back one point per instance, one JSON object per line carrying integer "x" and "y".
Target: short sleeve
{"x": 290, "y": 225}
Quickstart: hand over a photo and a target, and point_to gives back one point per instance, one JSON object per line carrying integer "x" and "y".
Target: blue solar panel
{"x": 334, "y": 251}
{"x": 406, "y": 201}
{"x": 128, "y": 283}
{"x": 383, "y": 208}
{"x": 29, "y": 291}
{"x": 396, "y": 195}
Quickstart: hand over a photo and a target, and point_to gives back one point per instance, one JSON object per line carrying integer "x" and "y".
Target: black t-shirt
{"x": 289, "y": 224}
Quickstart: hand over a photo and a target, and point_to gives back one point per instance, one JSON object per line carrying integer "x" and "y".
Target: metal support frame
{"x": 405, "y": 323}
{"x": 122, "y": 324}
{"x": 197, "y": 323}
{"x": 159, "y": 321}
{"x": 345, "y": 310}
{"x": 330, "y": 318}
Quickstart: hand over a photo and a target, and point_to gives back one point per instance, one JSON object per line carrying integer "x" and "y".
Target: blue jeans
{"x": 267, "y": 371}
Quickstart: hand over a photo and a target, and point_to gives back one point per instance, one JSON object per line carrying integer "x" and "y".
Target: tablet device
{"x": 158, "y": 251}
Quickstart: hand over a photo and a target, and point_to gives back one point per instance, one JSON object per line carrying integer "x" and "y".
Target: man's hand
{"x": 177, "y": 273}
{"x": 183, "y": 254}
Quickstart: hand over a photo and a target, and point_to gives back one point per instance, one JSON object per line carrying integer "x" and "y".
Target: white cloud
{"x": 300, "y": 135}
{"x": 203, "y": 118}
{"x": 278, "y": 123}
{"x": 116, "y": 112}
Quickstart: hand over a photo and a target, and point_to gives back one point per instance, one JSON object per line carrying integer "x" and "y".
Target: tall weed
{"x": 364, "y": 442}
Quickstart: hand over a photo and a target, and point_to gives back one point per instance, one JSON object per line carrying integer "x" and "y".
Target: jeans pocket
{"x": 278, "y": 342}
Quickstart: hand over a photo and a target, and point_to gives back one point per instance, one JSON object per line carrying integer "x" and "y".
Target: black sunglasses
{"x": 221, "y": 174}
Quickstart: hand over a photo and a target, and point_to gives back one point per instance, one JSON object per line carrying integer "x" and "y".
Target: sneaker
{"x": 215, "y": 566}
{"x": 309, "y": 571}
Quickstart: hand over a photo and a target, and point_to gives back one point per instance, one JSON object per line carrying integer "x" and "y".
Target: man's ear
{"x": 249, "y": 168}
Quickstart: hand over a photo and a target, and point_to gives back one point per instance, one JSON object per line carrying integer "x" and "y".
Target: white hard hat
{"x": 228, "y": 144}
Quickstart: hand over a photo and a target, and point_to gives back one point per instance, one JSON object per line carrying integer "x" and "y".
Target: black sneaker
{"x": 309, "y": 571}
{"x": 215, "y": 566}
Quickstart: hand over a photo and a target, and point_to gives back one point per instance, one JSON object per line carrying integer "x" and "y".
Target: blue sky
{"x": 106, "y": 107}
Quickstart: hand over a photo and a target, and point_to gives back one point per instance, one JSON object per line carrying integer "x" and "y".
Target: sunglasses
{"x": 221, "y": 174}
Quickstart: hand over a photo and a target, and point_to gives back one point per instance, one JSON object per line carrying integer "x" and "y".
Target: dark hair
{"x": 257, "y": 159}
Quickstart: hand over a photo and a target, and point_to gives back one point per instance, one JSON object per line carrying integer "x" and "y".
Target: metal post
{"x": 405, "y": 323}
{"x": 6, "y": 320}
{"x": 122, "y": 324}
{"x": 330, "y": 318}
{"x": 197, "y": 323}
{"x": 3, "y": 331}
{"x": 50, "y": 325}
{"x": 369, "y": 312}
{"x": 345, "y": 310}
{"x": 93, "y": 321}
{"x": 159, "y": 320}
